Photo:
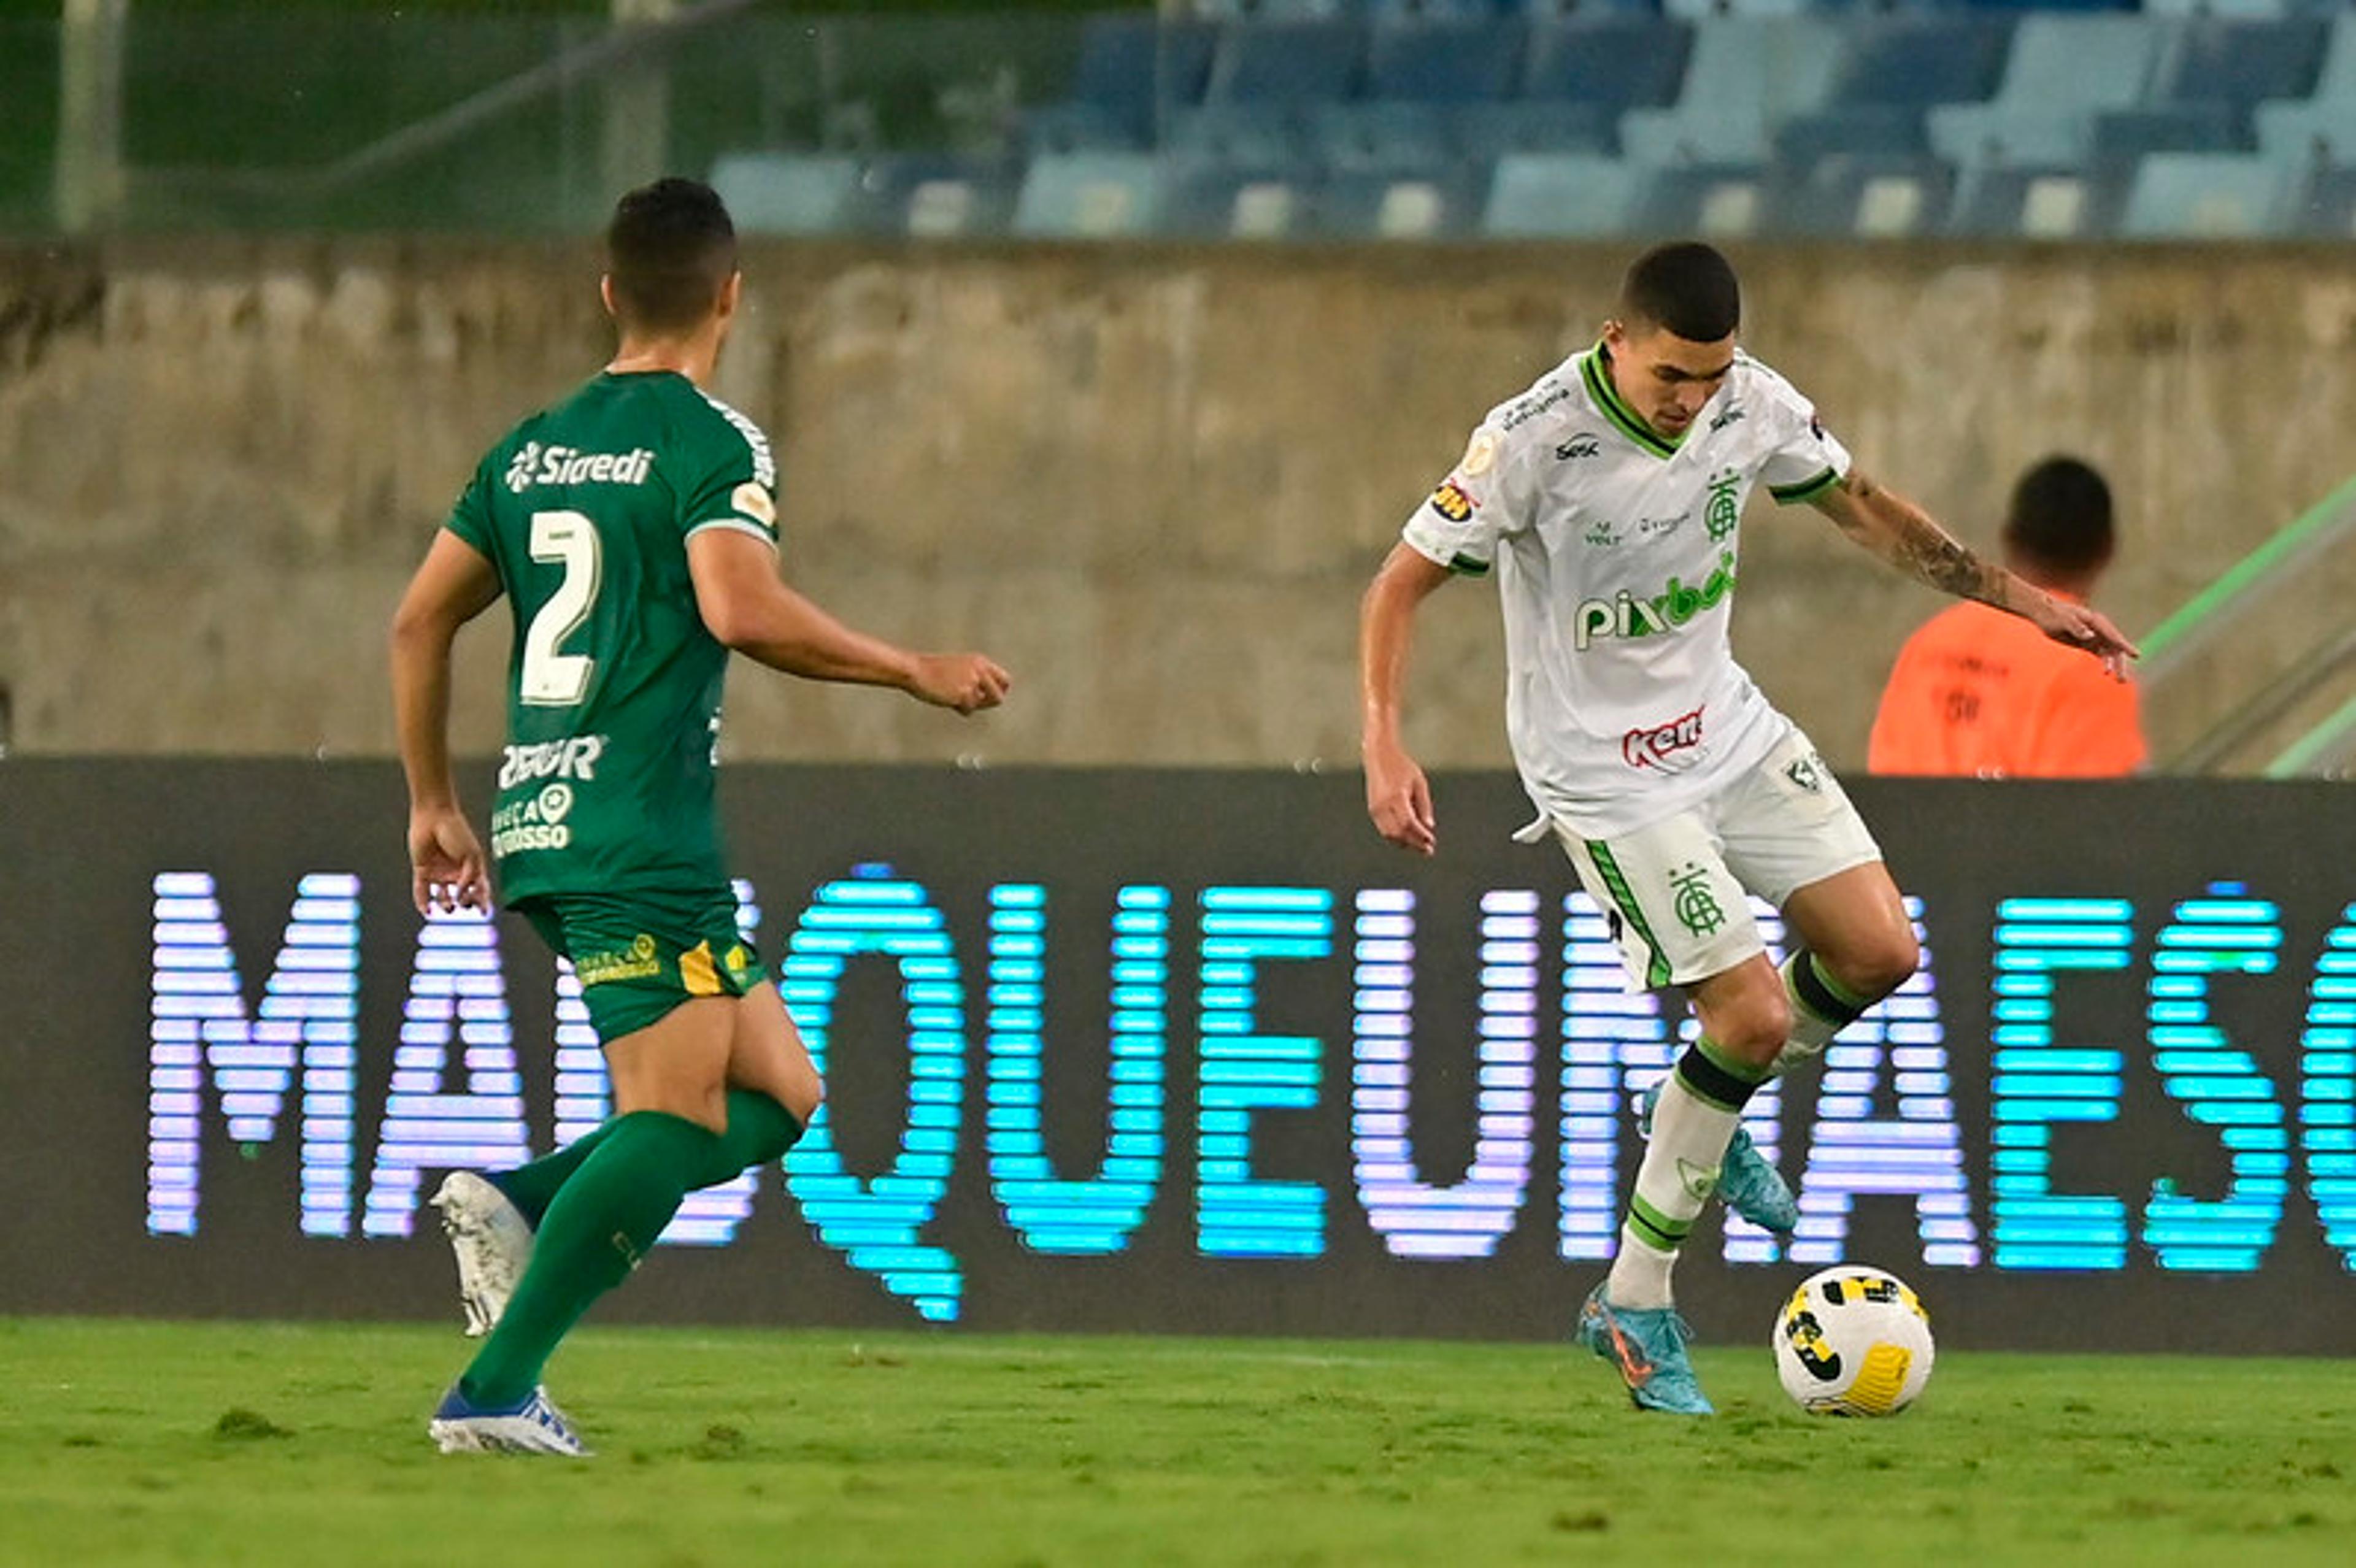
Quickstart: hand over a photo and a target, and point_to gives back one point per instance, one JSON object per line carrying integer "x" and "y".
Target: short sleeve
{"x": 737, "y": 484}
{"x": 470, "y": 518}
{"x": 1487, "y": 496}
{"x": 1806, "y": 459}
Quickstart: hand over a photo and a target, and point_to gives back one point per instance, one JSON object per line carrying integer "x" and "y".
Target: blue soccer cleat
{"x": 1751, "y": 1187}
{"x": 534, "y": 1427}
{"x": 1648, "y": 1346}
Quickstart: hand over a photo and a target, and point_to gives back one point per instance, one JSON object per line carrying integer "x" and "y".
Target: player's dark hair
{"x": 670, "y": 250}
{"x": 2059, "y": 520}
{"x": 1688, "y": 288}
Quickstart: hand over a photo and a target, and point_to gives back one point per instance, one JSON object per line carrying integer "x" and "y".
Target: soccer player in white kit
{"x": 1608, "y": 500}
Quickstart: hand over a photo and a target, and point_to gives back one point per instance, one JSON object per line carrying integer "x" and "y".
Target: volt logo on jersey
{"x": 1625, "y": 615}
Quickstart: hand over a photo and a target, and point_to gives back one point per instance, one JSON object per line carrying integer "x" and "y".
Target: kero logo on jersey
{"x": 1625, "y": 615}
{"x": 563, "y": 466}
{"x": 1656, "y": 747}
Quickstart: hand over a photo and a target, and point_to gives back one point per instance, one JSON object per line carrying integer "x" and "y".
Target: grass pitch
{"x": 165, "y": 1443}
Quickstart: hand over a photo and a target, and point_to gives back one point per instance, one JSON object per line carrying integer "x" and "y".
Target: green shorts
{"x": 641, "y": 955}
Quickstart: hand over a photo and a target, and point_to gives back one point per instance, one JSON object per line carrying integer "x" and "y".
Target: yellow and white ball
{"x": 1853, "y": 1340}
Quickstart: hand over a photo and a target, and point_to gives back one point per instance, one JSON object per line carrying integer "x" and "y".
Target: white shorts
{"x": 1675, "y": 892}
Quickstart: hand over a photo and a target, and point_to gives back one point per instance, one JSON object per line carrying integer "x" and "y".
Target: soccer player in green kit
{"x": 634, "y": 528}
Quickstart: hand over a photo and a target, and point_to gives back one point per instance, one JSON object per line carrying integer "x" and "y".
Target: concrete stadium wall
{"x": 1153, "y": 481}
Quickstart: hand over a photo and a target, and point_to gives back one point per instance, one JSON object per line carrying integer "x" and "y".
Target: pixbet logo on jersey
{"x": 1659, "y": 746}
{"x": 1625, "y": 615}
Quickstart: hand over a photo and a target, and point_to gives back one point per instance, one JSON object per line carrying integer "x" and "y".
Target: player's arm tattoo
{"x": 1904, "y": 535}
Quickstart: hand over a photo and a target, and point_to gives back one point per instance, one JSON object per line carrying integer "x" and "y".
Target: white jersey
{"x": 1616, "y": 551}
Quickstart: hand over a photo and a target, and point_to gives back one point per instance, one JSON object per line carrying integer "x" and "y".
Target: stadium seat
{"x": 2203, "y": 127}
{"x": 935, "y": 195}
{"x": 2215, "y": 72}
{"x": 2060, "y": 71}
{"x": 1484, "y": 133}
{"x": 1385, "y": 136}
{"x": 1615, "y": 63}
{"x": 2325, "y": 206}
{"x": 2204, "y": 196}
{"x": 786, "y": 193}
{"x": 1432, "y": 204}
{"x": 1871, "y": 130}
{"x": 1078, "y": 127}
{"x": 1871, "y": 197}
{"x": 1132, "y": 69}
{"x": 1892, "y": 70}
{"x": 1208, "y": 200}
{"x": 2037, "y": 202}
{"x": 1716, "y": 10}
{"x": 2324, "y": 121}
{"x": 1716, "y": 201}
{"x": 1559, "y": 196}
{"x": 1746, "y": 76}
{"x": 1263, "y": 136}
{"x": 1454, "y": 61}
{"x": 1286, "y": 63}
{"x": 1090, "y": 195}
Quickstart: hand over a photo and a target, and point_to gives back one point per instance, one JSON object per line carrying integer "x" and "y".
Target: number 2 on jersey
{"x": 553, "y": 679}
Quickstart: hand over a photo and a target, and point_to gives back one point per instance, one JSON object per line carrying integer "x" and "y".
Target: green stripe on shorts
{"x": 1656, "y": 972}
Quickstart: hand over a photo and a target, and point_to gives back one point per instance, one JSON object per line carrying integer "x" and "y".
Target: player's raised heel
{"x": 492, "y": 1241}
{"x": 1648, "y": 1346}
{"x": 1750, "y": 1185}
{"x": 534, "y": 1426}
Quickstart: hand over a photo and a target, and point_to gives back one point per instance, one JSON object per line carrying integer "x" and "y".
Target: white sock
{"x": 1678, "y": 1174}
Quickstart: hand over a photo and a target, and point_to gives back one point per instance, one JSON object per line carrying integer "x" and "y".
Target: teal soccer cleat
{"x": 1648, "y": 1346}
{"x": 1750, "y": 1185}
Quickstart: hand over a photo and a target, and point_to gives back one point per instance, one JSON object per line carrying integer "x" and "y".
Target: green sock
{"x": 759, "y": 1130}
{"x": 602, "y": 1221}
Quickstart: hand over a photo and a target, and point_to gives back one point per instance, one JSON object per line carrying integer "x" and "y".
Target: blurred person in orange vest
{"x": 1980, "y": 693}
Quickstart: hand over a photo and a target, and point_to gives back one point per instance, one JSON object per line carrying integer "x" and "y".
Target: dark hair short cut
{"x": 2061, "y": 518}
{"x": 1688, "y": 288}
{"x": 670, "y": 250}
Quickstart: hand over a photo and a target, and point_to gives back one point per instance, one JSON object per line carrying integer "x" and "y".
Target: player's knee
{"x": 1874, "y": 969}
{"x": 1750, "y": 1026}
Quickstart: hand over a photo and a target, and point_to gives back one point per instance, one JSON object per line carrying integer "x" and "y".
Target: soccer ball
{"x": 1853, "y": 1341}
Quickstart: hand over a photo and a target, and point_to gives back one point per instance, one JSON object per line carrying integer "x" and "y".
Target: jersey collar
{"x": 1593, "y": 369}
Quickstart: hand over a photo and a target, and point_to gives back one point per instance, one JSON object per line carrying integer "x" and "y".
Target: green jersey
{"x": 614, "y": 682}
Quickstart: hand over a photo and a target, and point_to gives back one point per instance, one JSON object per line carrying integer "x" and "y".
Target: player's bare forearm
{"x": 1398, "y": 798}
{"x": 1907, "y": 537}
{"x": 1904, "y": 535}
{"x": 789, "y": 633}
{"x": 795, "y": 636}
{"x": 453, "y": 584}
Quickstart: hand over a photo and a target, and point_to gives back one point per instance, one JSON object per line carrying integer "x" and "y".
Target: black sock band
{"x": 1817, "y": 992}
{"x": 1720, "y": 1083}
